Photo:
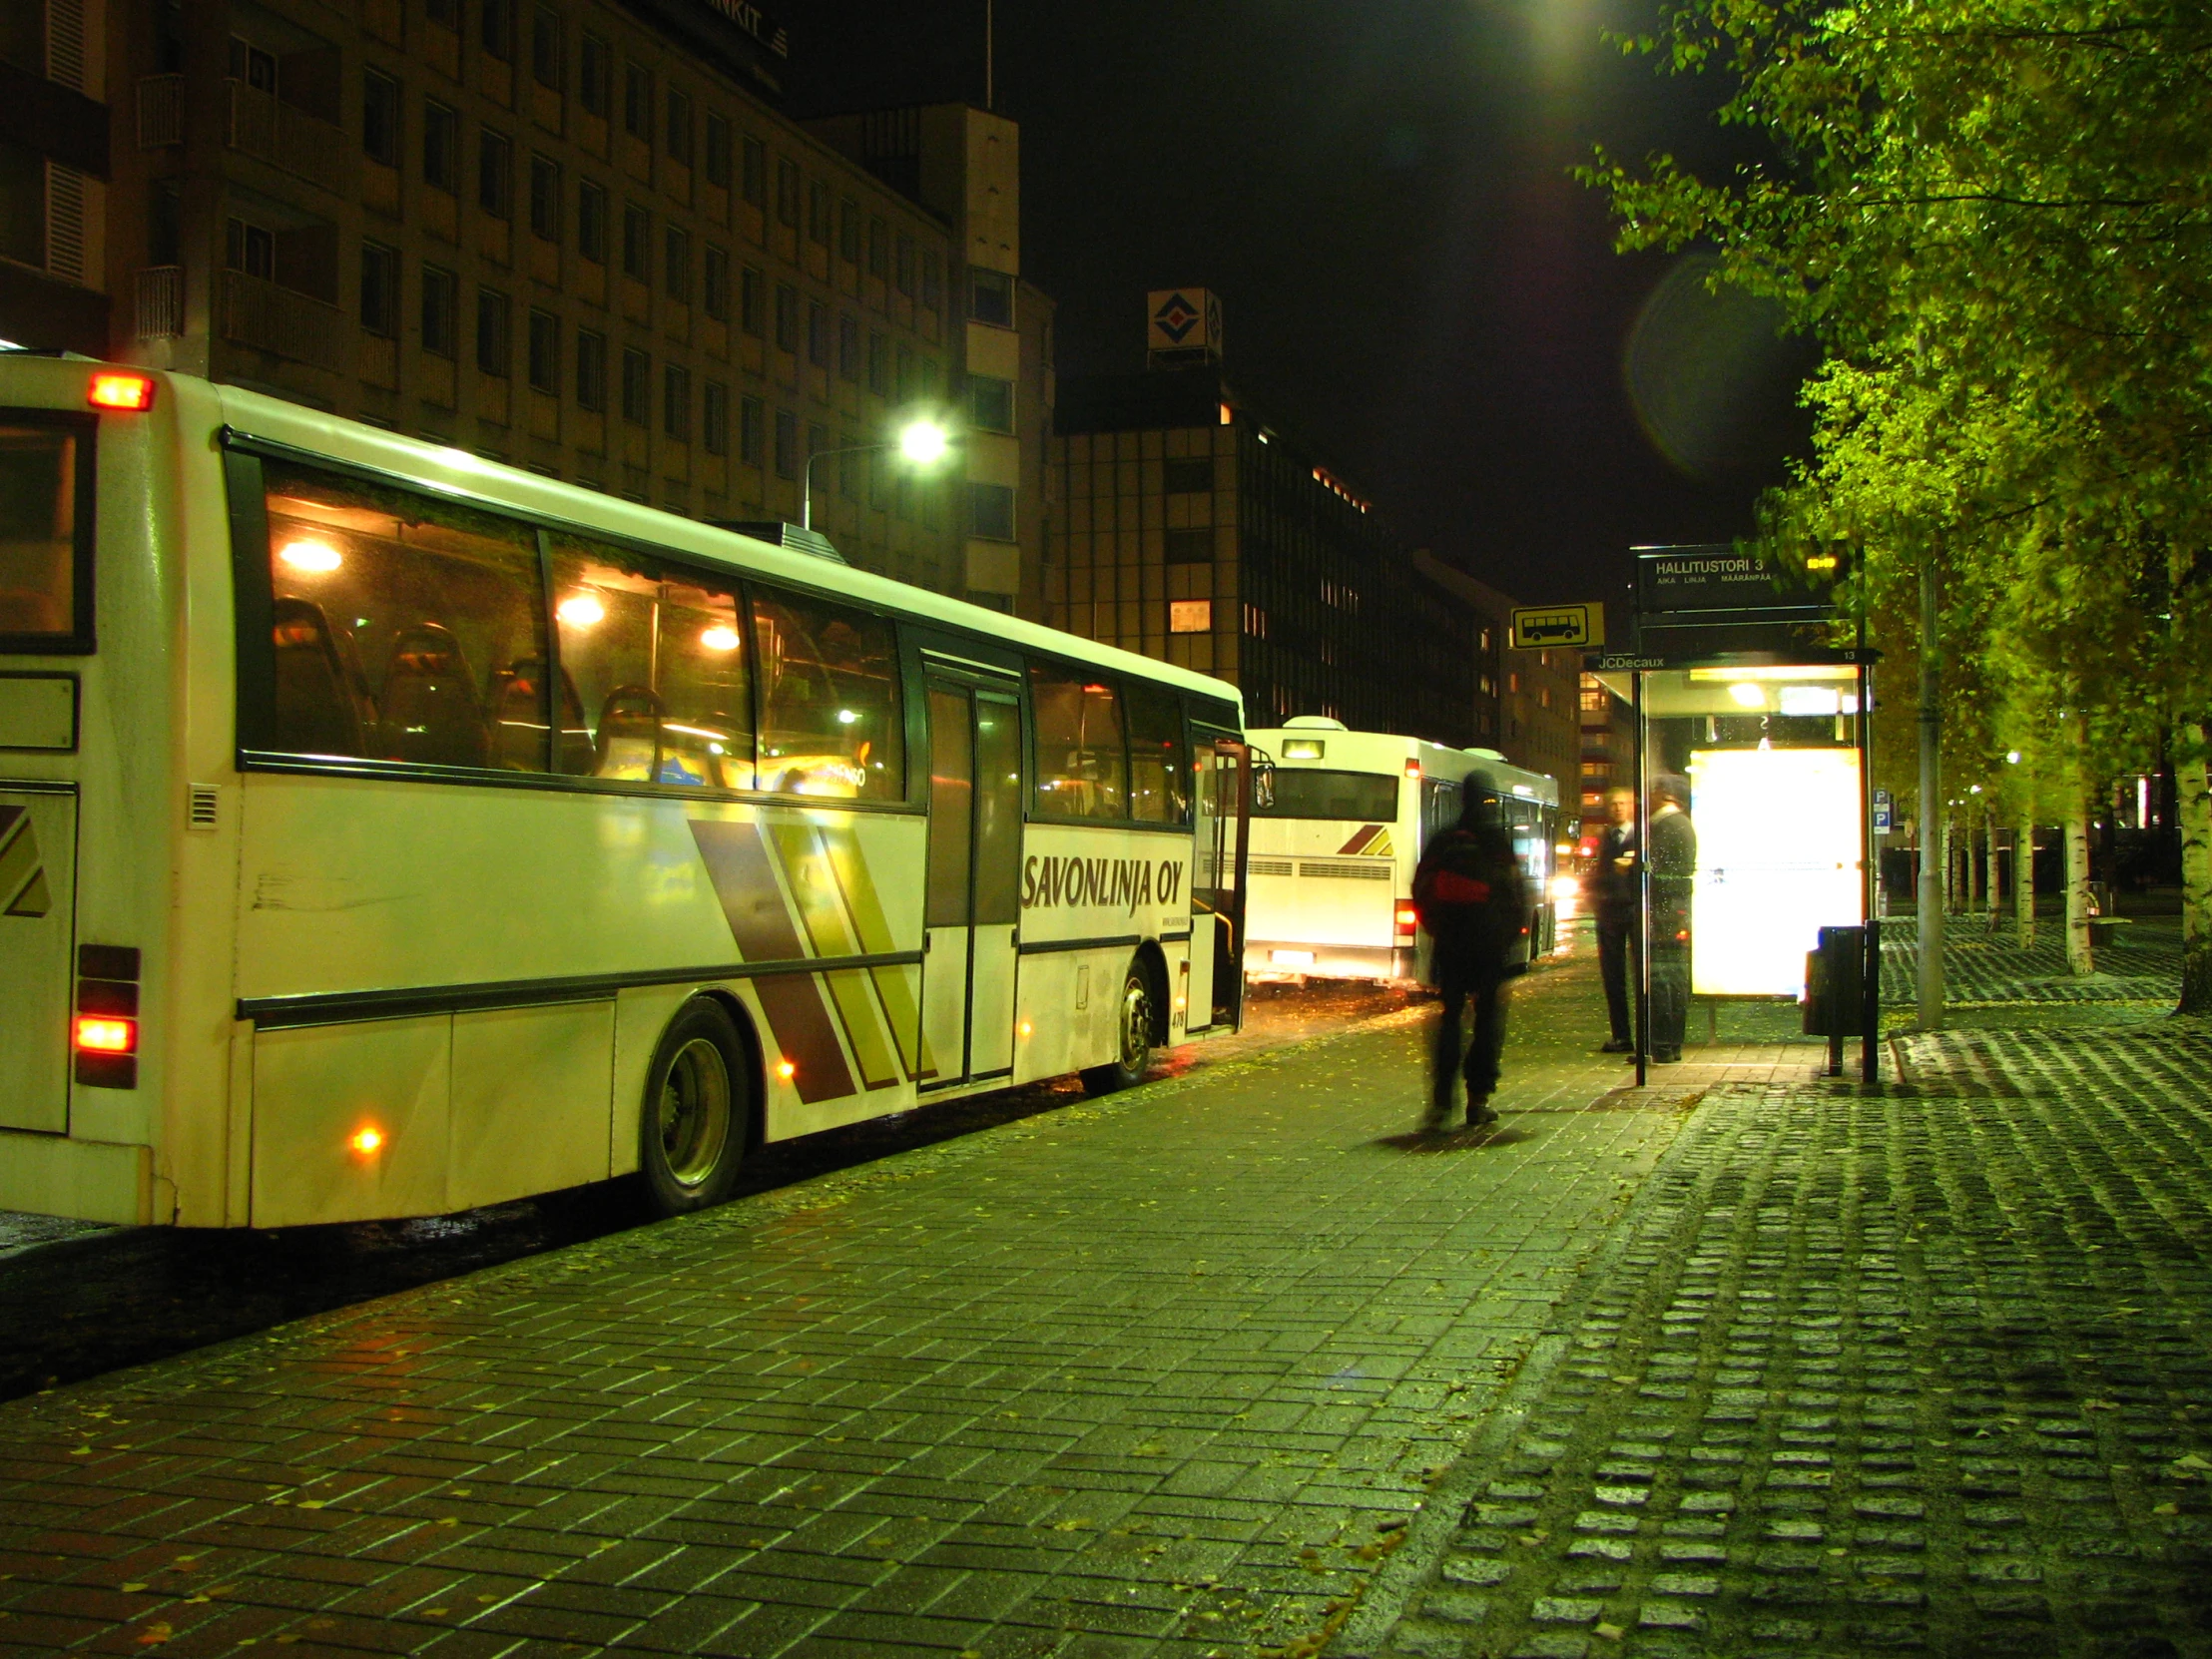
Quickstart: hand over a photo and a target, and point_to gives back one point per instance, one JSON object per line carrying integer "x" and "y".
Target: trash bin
{"x": 1834, "y": 990}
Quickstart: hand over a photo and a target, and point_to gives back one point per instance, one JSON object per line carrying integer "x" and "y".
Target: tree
{"x": 1993, "y": 214}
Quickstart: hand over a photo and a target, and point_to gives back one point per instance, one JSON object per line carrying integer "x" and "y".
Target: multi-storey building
{"x": 1184, "y": 527}
{"x": 1608, "y": 752}
{"x": 569, "y": 234}
{"x": 1534, "y": 690}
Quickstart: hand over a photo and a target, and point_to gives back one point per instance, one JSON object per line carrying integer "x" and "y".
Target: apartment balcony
{"x": 251, "y": 310}
{"x": 264, "y": 127}
{"x": 161, "y": 302}
{"x": 161, "y": 110}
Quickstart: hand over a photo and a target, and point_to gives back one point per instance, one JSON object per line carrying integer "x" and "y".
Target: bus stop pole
{"x": 1643, "y": 890}
{"x": 1870, "y": 969}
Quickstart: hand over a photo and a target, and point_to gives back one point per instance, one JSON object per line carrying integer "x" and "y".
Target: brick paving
{"x": 1163, "y": 1375}
{"x": 1985, "y": 970}
{"x": 1925, "y": 1368}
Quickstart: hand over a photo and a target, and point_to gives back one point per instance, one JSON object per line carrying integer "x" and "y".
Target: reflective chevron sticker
{"x": 1374, "y": 841}
{"x": 23, "y": 889}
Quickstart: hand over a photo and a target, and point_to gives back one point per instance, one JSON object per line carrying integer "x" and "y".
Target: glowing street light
{"x": 921, "y": 442}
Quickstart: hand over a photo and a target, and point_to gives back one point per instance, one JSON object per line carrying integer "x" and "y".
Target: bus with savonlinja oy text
{"x": 1337, "y": 829}
{"x": 385, "y": 831}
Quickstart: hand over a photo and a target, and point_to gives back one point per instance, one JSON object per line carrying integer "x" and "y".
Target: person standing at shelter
{"x": 1470, "y": 897}
{"x": 1673, "y": 857}
{"x": 1611, "y": 886}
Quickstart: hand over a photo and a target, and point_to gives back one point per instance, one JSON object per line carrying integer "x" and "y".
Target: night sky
{"x": 1414, "y": 289}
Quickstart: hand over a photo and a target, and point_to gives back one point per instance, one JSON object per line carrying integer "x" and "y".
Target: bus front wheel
{"x": 697, "y": 1110}
{"x": 1132, "y": 1037}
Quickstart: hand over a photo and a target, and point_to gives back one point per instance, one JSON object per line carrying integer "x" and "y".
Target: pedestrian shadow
{"x": 1424, "y": 1142}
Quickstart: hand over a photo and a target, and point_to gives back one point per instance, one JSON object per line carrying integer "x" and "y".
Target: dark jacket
{"x": 1470, "y": 895}
{"x": 1673, "y": 866}
{"x": 1612, "y": 887}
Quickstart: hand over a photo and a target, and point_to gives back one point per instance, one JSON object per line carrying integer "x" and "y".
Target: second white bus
{"x": 1338, "y": 830}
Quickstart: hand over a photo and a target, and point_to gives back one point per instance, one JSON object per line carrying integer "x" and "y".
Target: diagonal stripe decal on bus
{"x": 23, "y": 890}
{"x": 1364, "y": 841}
{"x": 824, "y": 910}
{"x": 799, "y": 1022}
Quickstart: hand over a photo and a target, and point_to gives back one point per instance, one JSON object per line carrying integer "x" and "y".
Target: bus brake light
{"x": 1407, "y": 918}
{"x": 1413, "y": 769}
{"x": 130, "y": 393}
{"x": 102, "y": 1035}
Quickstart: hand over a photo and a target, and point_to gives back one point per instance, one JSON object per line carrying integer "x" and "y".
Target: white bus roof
{"x": 1387, "y": 752}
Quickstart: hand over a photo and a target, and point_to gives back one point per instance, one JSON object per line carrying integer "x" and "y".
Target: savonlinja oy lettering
{"x": 1128, "y": 882}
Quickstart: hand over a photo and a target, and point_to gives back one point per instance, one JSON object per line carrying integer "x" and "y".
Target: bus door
{"x": 973, "y": 902}
{"x": 38, "y": 855}
{"x": 1224, "y": 834}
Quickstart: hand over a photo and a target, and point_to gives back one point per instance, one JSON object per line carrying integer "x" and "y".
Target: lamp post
{"x": 920, "y": 442}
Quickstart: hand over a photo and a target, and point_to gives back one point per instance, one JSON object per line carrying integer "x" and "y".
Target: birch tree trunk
{"x": 2196, "y": 868}
{"x": 2079, "y": 960}
{"x": 1992, "y": 889}
{"x": 2024, "y": 881}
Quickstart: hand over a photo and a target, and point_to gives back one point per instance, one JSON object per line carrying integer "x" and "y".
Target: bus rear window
{"x": 1368, "y": 797}
{"x": 45, "y": 534}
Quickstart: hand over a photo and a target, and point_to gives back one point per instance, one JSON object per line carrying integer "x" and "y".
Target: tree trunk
{"x": 1929, "y": 908}
{"x": 2024, "y": 881}
{"x": 1993, "y": 886}
{"x": 2196, "y": 868}
{"x": 2079, "y": 960}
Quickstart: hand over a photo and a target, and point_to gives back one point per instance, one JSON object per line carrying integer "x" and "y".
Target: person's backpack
{"x": 1468, "y": 891}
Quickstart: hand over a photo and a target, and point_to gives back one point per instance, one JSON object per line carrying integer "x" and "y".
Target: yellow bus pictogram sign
{"x": 1542, "y": 625}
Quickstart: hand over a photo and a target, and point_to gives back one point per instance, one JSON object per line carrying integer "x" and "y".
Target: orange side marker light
{"x": 369, "y": 1140}
{"x": 130, "y": 393}
{"x": 102, "y": 1035}
{"x": 786, "y": 1070}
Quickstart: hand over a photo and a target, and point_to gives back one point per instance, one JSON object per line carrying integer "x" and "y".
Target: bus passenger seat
{"x": 316, "y": 715}
{"x": 630, "y": 734}
{"x": 430, "y": 712}
{"x": 518, "y": 715}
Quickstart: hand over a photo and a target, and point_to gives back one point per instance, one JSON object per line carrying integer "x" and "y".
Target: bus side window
{"x": 655, "y": 671}
{"x": 1082, "y": 757}
{"x": 1159, "y": 772}
{"x": 832, "y": 721}
{"x": 405, "y": 627}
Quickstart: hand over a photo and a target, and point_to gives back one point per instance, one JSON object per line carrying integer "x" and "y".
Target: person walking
{"x": 1611, "y": 886}
{"x": 1469, "y": 895}
{"x": 1673, "y": 869}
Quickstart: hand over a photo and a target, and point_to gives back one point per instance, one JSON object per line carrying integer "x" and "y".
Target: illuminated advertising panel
{"x": 1778, "y": 859}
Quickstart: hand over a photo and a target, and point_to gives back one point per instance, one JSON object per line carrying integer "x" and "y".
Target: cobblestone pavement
{"x": 1921, "y": 1369}
{"x": 1985, "y": 970}
{"x": 1166, "y": 1374}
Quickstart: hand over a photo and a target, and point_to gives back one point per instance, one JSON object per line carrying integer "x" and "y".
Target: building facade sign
{"x": 734, "y": 34}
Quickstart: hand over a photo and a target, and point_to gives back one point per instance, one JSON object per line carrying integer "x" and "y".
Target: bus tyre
{"x": 1132, "y": 1037}
{"x": 697, "y": 1111}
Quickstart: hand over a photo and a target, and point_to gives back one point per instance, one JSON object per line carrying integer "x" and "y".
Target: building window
{"x": 818, "y": 333}
{"x": 679, "y": 126}
{"x": 441, "y": 301}
{"x": 637, "y": 238}
{"x": 380, "y": 118}
{"x": 903, "y": 385}
{"x": 787, "y": 318}
{"x": 714, "y": 281}
{"x": 591, "y": 371}
{"x": 498, "y": 29}
{"x": 902, "y": 267}
{"x": 544, "y": 350}
{"x": 1190, "y": 616}
{"x": 441, "y": 132}
{"x": 751, "y": 285}
{"x": 990, "y": 404}
{"x": 818, "y": 211}
{"x": 787, "y": 192}
{"x": 636, "y": 386}
{"x": 250, "y": 248}
{"x": 878, "y": 365}
{"x": 1190, "y": 547}
{"x": 446, "y": 14}
{"x": 753, "y": 164}
{"x": 714, "y": 417}
{"x": 379, "y": 290}
{"x": 991, "y": 297}
{"x": 593, "y": 71}
{"x": 676, "y": 402}
{"x": 991, "y": 511}
{"x": 495, "y": 174}
{"x": 786, "y": 444}
{"x": 849, "y": 231}
{"x": 591, "y": 222}
{"x": 545, "y": 48}
{"x": 849, "y": 348}
{"x": 932, "y": 279}
{"x": 675, "y": 264}
{"x": 749, "y": 430}
{"x": 494, "y": 351}
{"x": 637, "y": 102}
{"x": 1194, "y": 475}
{"x": 878, "y": 249}
{"x": 717, "y": 150}
{"x": 545, "y": 198}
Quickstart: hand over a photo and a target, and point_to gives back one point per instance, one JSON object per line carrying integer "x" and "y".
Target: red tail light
{"x": 105, "y": 1034}
{"x": 1407, "y": 918}
{"x": 129, "y": 393}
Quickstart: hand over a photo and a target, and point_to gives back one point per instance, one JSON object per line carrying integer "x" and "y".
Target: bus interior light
{"x": 581, "y": 609}
{"x": 720, "y": 637}
{"x": 106, "y": 1034}
{"x": 316, "y": 558}
{"x": 126, "y": 393}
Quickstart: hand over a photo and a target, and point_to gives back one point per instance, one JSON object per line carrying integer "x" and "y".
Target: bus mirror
{"x": 1263, "y": 780}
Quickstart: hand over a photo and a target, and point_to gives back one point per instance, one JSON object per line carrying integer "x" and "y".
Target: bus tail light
{"x": 105, "y": 1031}
{"x": 125, "y": 393}
{"x": 1413, "y": 769}
{"x": 1407, "y": 920}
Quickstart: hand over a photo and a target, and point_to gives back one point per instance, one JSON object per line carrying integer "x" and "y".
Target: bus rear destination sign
{"x": 1544, "y": 625}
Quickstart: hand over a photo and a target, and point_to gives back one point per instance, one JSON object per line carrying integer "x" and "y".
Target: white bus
{"x": 1336, "y": 830}
{"x": 386, "y": 832}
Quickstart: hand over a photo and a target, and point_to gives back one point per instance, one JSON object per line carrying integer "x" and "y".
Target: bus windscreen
{"x": 1368, "y": 797}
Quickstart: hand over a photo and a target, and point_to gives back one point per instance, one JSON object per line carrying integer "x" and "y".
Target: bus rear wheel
{"x": 1132, "y": 1037}
{"x": 698, "y": 1112}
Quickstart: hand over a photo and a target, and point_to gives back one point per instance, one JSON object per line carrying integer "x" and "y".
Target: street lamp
{"x": 921, "y": 442}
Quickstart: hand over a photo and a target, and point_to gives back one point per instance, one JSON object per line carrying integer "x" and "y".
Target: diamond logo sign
{"x": 1185, "y": 322}
{"x": 1176, "y": 318}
